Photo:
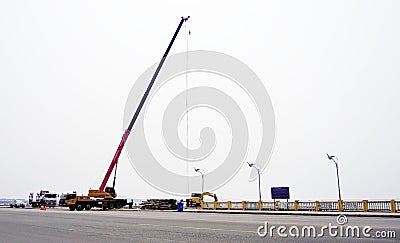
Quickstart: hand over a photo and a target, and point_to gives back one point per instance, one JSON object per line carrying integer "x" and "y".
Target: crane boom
{"x": 138, "y": 109}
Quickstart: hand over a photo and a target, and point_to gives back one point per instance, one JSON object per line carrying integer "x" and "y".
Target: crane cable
{"x": 187, "y": 107}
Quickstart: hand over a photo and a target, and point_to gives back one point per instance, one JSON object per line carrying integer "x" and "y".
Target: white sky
{"x": 331, "y": 69}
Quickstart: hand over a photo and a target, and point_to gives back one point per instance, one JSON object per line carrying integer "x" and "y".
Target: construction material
{"x": 160, "y": 204}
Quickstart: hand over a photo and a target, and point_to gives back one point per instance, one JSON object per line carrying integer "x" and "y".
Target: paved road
{"x": 61, "y": 225}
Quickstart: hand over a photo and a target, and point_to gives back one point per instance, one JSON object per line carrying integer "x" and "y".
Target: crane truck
{"x": 105, "y": 197}
{"x": 43, "y": 197}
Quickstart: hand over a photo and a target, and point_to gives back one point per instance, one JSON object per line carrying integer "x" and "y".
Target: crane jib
{"x": 139, "y": 108}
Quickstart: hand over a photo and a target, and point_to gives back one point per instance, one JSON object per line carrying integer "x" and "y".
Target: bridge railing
{"x": 236, "y": 205}
{"x": 207, "y": 205}
{"x": 328, "y": 206}
{"x": 307, "y": 206}
{"x": 252, "y": 205}
{"x": 354, "y": 206}
{"x": 379, "y": 206}
{"x": 268, "y": 206}
{"x": 223, "y": 205}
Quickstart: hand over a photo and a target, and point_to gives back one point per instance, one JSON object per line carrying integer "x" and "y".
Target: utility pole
{"x": 202, "y": 180}
{"x": 259, "y": 178}
{"x": 335, "y": 160}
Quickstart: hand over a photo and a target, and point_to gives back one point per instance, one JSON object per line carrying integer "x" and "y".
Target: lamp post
{"x": 202, "y": 180}
{"x": 259, "y": 178}
{"x": 335, "y": 160}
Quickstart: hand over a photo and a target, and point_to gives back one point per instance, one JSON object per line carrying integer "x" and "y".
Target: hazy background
{"x": 331, "y": 69}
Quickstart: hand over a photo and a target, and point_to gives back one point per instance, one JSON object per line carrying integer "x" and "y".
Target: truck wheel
{"x": 79, "y": 207}
{"x": 88, "y": 207}
{"x": 71, "y": 208}
{"x": 111, "y": 206}
{"x": 119, "y": 205}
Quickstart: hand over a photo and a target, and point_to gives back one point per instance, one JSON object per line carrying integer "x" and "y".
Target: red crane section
{"x": 121, "y": 145}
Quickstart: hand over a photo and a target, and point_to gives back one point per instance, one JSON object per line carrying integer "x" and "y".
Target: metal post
{"x": 202, "y": 183}
{"x": 259, "y": 183}
{"x": 338, "y": 182}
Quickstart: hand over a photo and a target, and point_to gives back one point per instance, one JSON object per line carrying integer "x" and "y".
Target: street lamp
{"x": 259, "y": 179}
{"x": 335, "y": 160}
{"x": 202, "y": 180}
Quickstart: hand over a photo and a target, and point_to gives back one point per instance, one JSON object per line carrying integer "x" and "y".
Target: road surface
{"x": 61, "y": 225}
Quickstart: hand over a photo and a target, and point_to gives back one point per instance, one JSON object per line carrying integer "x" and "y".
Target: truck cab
{"x": 49, "y": 199}
{"x": 64, "y": 197}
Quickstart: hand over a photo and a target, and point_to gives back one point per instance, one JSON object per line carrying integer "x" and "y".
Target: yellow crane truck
{"x": 104, "y": 197}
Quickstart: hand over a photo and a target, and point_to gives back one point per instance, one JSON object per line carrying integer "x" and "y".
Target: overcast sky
{"x": 331, "y": 69}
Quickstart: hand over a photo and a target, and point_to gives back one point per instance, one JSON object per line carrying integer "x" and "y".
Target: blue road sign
{"x": 280, "y": 193}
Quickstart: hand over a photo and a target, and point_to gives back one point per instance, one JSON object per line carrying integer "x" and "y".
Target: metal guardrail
{"x": 353, "y": 206}
{"x": 222, "y": 205}
{"x": 307, "y": 206}
{"x": 207, "y": 205}
{"x": 329, "y": 206}
{"x": 332, "y": 206}
{"x": 236, "y": 205}
{"x": 252, "y": 205}
{"x": 379, "y": 206}
{"x": 268, "y": 206}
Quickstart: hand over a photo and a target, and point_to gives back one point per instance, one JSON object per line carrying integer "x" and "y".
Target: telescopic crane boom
{"x": 125, "y": 136}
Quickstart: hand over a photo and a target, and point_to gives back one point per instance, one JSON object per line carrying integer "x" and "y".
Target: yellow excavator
{"x": 196, "y": 199}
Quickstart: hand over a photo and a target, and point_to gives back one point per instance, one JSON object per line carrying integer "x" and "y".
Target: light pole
{"x": 202, "y": 180}
{"x": 335, "y": 160}
{"x": 259, "y": 178}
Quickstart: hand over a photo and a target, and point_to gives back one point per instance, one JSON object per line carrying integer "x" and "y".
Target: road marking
{"x": 197, "y": 228}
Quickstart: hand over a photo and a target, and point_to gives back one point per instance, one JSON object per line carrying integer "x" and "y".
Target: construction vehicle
{"x": 44, "y": 197}
{"x": 35, "y": 201}
{"x": 49, "y": 200}
{"x": 196, "y": 199}
{"x": 94, "y": 201}
{"x": 64, "y": 197}
{"x": 104, "y": 197}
